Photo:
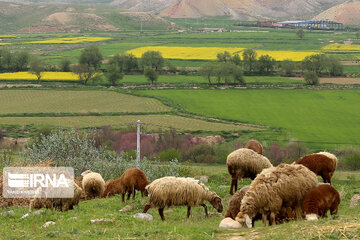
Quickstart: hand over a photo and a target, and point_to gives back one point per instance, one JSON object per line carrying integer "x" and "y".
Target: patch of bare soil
{"x": 19, "y": 85}
{"x": 341, "y": 80}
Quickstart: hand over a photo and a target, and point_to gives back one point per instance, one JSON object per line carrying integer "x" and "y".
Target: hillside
{"x": 142, "y": 5}
{"x": 345, "y": 13}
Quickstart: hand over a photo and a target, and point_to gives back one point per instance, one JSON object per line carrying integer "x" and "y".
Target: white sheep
{"x": 244, "y": 163}
{"x": 177, "y": 191}
{"x": 93, "y": 184}
{"x": 276, "y": 189}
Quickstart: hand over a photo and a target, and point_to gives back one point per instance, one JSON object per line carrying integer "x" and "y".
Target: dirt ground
{"x": 341, "y": 80}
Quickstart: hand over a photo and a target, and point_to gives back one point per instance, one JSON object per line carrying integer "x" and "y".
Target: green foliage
{"x": 20, "y": 61}
{"x": 7, "y": 158}
{"x": 288, "y": 66}
{"x": 65, "y": 65}
{"x": 224, "y": 73}
{"x": 152, "y": 59}
{"x": 201, "y": 153}
{"x": 169, "y": 154}
{"x": 85, "y": 72}
{"x": 314, "y": 63}
{"x": 352, "y": 161}
{"x": 249, "y": 59}
{"x": 311, "y": 78}
{"x": 357, "y": 35}
{"x": 36, "y": 67}
{"x": 151, "y": 74}
{"x": 224, "y": 57}
{"x": 114, "y": 70}
{"x": 266, "y": 64}
{"x": 91, "y": 57}
{"x": 171, "y": 67}
{"x": 300, "y": 33}
{"x": 207, "y": 71}
{"x": 334, "y": 67}
{"x": 126, "y": 62}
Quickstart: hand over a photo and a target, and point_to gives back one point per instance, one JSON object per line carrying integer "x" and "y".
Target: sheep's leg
{"x": 123, "y": 196}
{"x": 264, "y": 219}
{"x": 272, "y": 219}
{"x": 161, "y": 213}
{"x": 236, "y": 182}
{"x": 128, "y": 196}
{"x": 233, "y": 185}
{"x": 146, "y": 208}
{"x": 205, "y": 208}
{"x": 326, "y": 177}
{"x": 188, "y": 212}
{"x": 133, "y": 191}
{"x": 298, "y": 212}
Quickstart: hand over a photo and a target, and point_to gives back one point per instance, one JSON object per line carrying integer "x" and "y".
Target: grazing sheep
{"x": 178, "y": 191}
{"x": 319, "y": 200}
{"x": 93, "y": 184}
{"x": 255, "y": 145}
{"x": 61, "y": 204}
{"x": 274, "y": 190}
{"x": 245, "y": 163}
{"x": 131, "y": 180}
{"x": 323, "y": 164}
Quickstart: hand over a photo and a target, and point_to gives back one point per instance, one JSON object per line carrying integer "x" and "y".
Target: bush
{"x": 201, "y": 153}
{"x": 349, "y": 159}
{"x": 311, "y": 78}
{"x": 291, "y": 153}
{"x": 169, "y": 154}
{"x": 2, "y": 134}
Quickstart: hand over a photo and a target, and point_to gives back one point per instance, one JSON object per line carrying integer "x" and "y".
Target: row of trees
{"x": 13, "y": 62}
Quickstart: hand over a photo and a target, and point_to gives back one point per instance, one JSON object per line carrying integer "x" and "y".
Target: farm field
{"x": 326, "y": 116}
{"x": 49, "y": 76}
{"x": 75, "y": 224}
{"x": 150, "y": 122}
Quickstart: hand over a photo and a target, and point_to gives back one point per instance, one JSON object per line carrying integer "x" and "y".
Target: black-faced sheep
{"x": 61, "y": 204}
{"x": 178, "y": 191}
{"x": 274, "y": 189}
{"x": 255, "y": 145}
{"x": 322, "y": 163}
{"x": 131, "y": 180}
{"x": 321, "y": 199}
{"x": 244, "y": 163}
{"x": 93, "y": 184}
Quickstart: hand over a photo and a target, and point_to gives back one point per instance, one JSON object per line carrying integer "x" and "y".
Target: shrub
{"x": 311, "y": 78}
{"x": 201, "y": 153}
{"x": 169, "y": 154}
{"x": 2, "y": 134}
{"x": 349, "y": 159}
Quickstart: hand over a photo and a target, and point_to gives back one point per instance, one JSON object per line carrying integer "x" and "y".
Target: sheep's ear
{"x": 248, "y": 221}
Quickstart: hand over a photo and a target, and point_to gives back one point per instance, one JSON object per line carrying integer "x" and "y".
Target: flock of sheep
{"x": 276, "y": 194}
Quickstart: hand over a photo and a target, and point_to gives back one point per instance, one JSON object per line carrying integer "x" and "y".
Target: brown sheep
{"x": 321, "y": 164}
{"x": 254, "y": 145}
{"x": 131, "y": 180}
{"x": 319, "y": 200}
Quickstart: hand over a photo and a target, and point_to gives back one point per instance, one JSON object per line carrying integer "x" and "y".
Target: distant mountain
{"x": 142, "y": 5}
{"x": 347, "y": 13}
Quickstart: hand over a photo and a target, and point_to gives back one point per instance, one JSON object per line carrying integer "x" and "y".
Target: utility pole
{"x": 138, "y": 144}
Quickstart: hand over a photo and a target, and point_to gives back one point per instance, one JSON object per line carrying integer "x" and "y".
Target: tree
{"x": 357, "y": 35}
{"x": 36, "y": 67}
{"x": 249, "y": 58}
{"x": 228, "y": 73}
{"x": 288, "y": 66}
{"x": 114, "y": 72}
{"x": 224, "y": 57}
{"x": 266, "y": 64}
{"x": 152, "y": 59}
{"x": 207, "y": 70}
{"x": 315, "y": 63}
{"x": 20, "y": 61}
{"x": 89, "y": 63}
{"x": 236, "y": 60}
{"x": 65, "y": 65}
{"x": 300, "y": 33}
{"x": 238, "y": 75}
{"x": 151, "y": 74}
{"x": 334, "y": 66}
{"x": 311, "y": 78}
{"x": 126, "y": 62}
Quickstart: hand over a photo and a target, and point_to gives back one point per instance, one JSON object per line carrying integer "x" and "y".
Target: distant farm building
{"x": 312, "y": 24}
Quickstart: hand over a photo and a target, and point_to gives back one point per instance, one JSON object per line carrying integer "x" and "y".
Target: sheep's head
{"x": 216, "y": 203}
{"x": 244, "y": 219}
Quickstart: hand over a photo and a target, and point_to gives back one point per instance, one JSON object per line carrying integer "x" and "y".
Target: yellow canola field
{"x": 7, "y": 36}
{"x": 72, "y": 40}
{"x": 1, "y": 44}
{"x": 63, "y": 76}
{"x": 209, "y": 53}
{"x": 336, "y": 47}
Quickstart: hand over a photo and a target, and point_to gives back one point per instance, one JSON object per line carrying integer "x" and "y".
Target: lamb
{"x": 255, "y": 145}
{"x": 178, "y": 191}
{"x": 61, "y": 204}
{"x": 245, "y": 163}
{"x": 131, "y": 180}
{"x": 322, "y": 163}
{"x": 93, "y": 184}
{"x": 319, "y": 200}
{"x": 274, "y": 190}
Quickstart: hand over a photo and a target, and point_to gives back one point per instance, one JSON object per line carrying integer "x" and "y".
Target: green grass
{"x": 351, "y": 68}
{"x": 307, "y": 115}
{"x": 58, "y": 101}
{"x": 176, "y": 226}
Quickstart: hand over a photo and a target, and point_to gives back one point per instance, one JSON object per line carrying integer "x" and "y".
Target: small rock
{"x": 229, "y": 223}
{"x": 126, "y": 208}
{"x": 8, "y": 213}
{"x": 47, "y": 224}
{"x": 204, "y": 179}
{"x": 354, "y": 200}
{"x": 311, "y": 217}
{"x": 38, "y": 212}
{"x": 100, "y": 220}
{"x": 215, "y": 214}
{"x": 223, "y": 186}
{"x": 143, "y": 216}
{"x": 73, "y": 218}
{"x": 25, "y": 216}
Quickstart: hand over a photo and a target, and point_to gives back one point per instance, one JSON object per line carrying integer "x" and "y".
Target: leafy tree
{"x": 92, "y": 57}
{"x": 334, "y": 66}
{"x": 85, "y": 72}
{"x": 266, "y": 64}
{"x": 126, "y": 62}
{"x": 5, "y": 59}
{"x": 311, "y": 78}
{"x": 151, "y": 74}
{"x": 65, "y": 65}
{"x": 249, "y": 58}
{"x": 237, "y": 75}
{"x": 300, "y": 33}
{"x": 114, "y": 71}
{"x": 171, "y": 68}
{"x": 224, "y": 57}
{"x": 20, "y": 61}
{"x": 357, "y": 35}
{"x": 236, "y": 60}
{"x": 207, "y": 70}
{"x": 152, "y": 59}
{"x": 36, "y": 67}
{"x": 315, "y": 63}
{"x": 288, "y": 66}
{"x": 228, "y": 73}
